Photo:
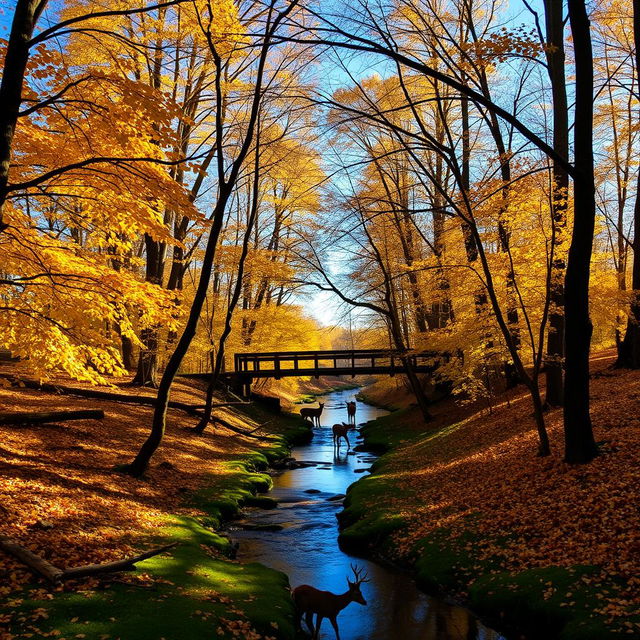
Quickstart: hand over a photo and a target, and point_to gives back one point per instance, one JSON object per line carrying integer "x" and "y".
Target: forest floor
{"x": 60, "y": 497}
{"x": 535, "y": 545}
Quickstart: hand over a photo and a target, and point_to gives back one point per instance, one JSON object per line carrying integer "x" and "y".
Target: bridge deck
{"x": 280, "y": 364}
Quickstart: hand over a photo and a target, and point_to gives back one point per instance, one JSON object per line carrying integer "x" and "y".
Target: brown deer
{"x": 313, "y": 414}
{"x": 341, "y": 431}
{"x": 351, "y": 412}
{"x": 324, "y": 604}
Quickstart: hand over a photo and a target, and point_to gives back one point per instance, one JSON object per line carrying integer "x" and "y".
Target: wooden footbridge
{"x": 341, "y": 362}
{"x": 281, "y": 364}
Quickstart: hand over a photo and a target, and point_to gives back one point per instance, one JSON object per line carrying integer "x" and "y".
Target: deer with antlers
{"x": 324, "y": 604}
{"x": 351, "y": 412}
{"x": 341, "y": 431}
{"x": 313, "y": 414}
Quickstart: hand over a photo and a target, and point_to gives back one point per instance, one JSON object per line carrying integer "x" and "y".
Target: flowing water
{"x": 306, "y": 545}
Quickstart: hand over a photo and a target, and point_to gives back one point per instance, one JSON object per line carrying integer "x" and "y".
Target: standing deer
{"x": 324, "y": 604}
{"x": 313, "y": 414}
{"x": 351, "y": 412}
{"x": 341, "y": 431}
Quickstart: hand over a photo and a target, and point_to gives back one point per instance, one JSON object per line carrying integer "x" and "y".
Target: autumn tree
{"x": 228, "y": 167}
{"x": 479, "y": 210}
{"x": 345, "y": 32}
{"x": 75, "y": 199}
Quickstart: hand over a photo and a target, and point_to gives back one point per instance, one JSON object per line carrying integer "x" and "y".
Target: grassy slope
{"x": 194, "y": 591}
{"x": 544, "y": 601}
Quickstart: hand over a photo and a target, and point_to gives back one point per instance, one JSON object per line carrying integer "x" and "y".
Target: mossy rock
{"x": 263, "y": 502}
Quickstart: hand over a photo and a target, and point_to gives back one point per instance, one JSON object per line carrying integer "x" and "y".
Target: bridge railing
{"x": 341, "y": 360}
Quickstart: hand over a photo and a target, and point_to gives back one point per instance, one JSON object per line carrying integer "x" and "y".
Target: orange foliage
{"x": 554, "y": 514}
{"x": 59, "y": 494}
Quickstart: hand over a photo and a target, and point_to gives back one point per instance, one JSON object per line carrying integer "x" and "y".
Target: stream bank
{"x": 451, "y": 500}
{"x": 89, "y": 513}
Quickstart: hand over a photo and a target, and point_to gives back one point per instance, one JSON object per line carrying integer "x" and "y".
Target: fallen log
{"x": 35, "y": 562}
{"x": 126, "y": 564}
{"x": 128, "y": 398}
{"x": 55, "y": 575}
{"x": 43, "y": 417}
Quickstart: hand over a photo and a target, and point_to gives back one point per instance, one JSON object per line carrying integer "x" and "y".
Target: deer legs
{"x": 341, "y": 431}
{"x": 315, "y": 633}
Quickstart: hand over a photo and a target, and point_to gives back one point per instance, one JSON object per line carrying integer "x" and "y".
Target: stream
{"x": 304, "y": 544}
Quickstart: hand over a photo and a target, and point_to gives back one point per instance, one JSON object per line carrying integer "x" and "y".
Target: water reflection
{"x": 307, "y": 548}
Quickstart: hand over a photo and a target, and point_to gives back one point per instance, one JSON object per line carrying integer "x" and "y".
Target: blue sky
{"x": 324, "y": 306}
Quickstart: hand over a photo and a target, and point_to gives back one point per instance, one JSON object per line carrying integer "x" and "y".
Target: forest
{"x": 205, "y": 203}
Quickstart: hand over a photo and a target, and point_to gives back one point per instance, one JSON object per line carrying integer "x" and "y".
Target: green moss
{"x": 364, "y": 526}
{"x": 387, "y": 432}
{"x": 194, "y": 588}
{"x": 363, "y": 396}
{"x": 551, "y": 602}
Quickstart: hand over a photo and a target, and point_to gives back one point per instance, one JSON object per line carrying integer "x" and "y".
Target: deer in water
{"x": 313, "y": 414}
{"x": 341, "y": 431}
{"x": 351, "y": 412}
{"x": 324, "y": 604}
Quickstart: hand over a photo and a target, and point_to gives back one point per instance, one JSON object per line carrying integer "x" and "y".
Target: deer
{"x": 313, "y": 414}
{"x": 341, "y": 431}
{"x": 351, "y": 412}
{"x": 324, "y": 604}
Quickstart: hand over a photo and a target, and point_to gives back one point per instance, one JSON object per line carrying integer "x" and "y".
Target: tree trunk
{"x": 442, "y": 311}
{"x": 580, "y": 445}
{"x": 629, "y": 351}
{"x": 25, "y": 17}
{"x": 237, "y": 292}
{"x": 147, "y": 372}
{"x": 414, "y": 381}
{"x": 544, "y": 449}
{"x": 555, "y": 336}
{"x": 127, "y": 352}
